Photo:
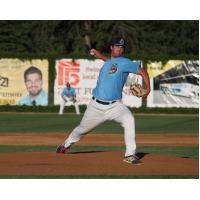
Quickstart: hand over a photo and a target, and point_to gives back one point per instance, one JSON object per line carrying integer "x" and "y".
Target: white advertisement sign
{"x": 82, "y": 74}
{"x": 174, "y": 84}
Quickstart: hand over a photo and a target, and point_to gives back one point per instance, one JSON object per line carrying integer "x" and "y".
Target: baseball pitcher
{"x": 106, "y": 101}
{"x": 68, "y": 94}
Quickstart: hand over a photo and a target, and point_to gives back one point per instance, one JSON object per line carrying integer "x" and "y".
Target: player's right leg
{"x": 62, "y": 106}
{"x": 93, "y": 116}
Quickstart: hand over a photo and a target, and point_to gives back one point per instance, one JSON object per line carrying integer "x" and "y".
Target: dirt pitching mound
{"x": 93, "y": 163}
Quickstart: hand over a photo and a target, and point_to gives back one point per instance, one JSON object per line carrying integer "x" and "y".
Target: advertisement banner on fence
{"x": 82, "y": 74}
{"x": 23, "y": 82}
{"x": 174, "y": 84}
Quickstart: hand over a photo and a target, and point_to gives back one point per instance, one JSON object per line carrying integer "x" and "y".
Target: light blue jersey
{"x": 40, "y": 100}
{"x": 112, "y": 78}
{"x": 68, "y": 93}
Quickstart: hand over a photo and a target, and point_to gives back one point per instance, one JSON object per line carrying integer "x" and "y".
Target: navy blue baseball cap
{"x": 118, "y": 42}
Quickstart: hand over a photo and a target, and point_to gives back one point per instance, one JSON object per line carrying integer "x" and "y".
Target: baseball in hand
{"x": 92, "y": 53}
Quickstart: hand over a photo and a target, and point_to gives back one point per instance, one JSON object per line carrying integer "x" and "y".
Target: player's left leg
{"x": 77, "y": 108}
{"x": 121, "y": 114}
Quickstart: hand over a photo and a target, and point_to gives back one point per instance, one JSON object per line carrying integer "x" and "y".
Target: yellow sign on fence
{"x": 157, "y": 68}
{"x": 23, "y": 82}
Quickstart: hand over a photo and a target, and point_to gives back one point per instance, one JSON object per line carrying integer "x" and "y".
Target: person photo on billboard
{"x": 33, "y": 82}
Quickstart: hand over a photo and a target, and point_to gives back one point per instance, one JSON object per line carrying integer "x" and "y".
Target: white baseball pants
{"x": 62, "y": 105}
{"x": 96, "y": 114}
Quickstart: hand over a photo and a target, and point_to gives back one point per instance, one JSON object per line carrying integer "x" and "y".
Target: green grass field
{"x": 38, "y": 123}
{"x": 186, "y": 152}
{"x": 51, "y": 123}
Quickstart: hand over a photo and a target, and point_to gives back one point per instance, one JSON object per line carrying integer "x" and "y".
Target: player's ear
{"x": 111, "y": 47}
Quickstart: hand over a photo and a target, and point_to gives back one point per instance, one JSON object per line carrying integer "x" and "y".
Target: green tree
{"x": 145, "y": 38}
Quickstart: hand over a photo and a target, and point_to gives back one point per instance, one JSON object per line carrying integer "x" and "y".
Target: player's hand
{"x": 64, "y": 98}
{"x": 74, "y": 99}
{"x": 93, "y": 52}
{"x": 97, "y": 54}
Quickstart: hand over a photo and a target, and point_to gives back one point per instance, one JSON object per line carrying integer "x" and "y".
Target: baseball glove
{"x": 137, "y": 90}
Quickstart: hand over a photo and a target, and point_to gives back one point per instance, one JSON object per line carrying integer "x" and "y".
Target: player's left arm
{"x": 142, "y": 72}
{"x": 74, "y": 92}
{"x": 73, "y": 95}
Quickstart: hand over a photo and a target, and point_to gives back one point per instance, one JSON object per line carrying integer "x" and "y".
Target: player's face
{"x": 116, "y": 51}
{"x": 68, "y": 85}
{"x": 33, "y": 84}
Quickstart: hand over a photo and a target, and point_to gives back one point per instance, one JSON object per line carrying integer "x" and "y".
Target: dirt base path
{"x": 101, "y": 139}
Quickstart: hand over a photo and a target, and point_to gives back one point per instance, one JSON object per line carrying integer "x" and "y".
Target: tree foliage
{"x": 144, "y": 38}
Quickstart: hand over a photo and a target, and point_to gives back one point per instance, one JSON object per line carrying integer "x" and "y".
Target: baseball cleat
{"x": 133, "y": 159}
{"x": 61, "y": 149}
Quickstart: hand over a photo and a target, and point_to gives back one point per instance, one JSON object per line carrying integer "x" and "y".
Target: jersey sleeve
{"x": 73, "y": 92}
{"x": 63, "y": 93}
{"x": 131, "y": 67}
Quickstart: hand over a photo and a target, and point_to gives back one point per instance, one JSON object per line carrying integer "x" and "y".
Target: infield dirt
{"x": 100, "y": 139}
{"x": 95, "y": 162}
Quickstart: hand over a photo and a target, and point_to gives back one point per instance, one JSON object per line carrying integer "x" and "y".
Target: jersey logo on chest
{"x": 113, "y": 68}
